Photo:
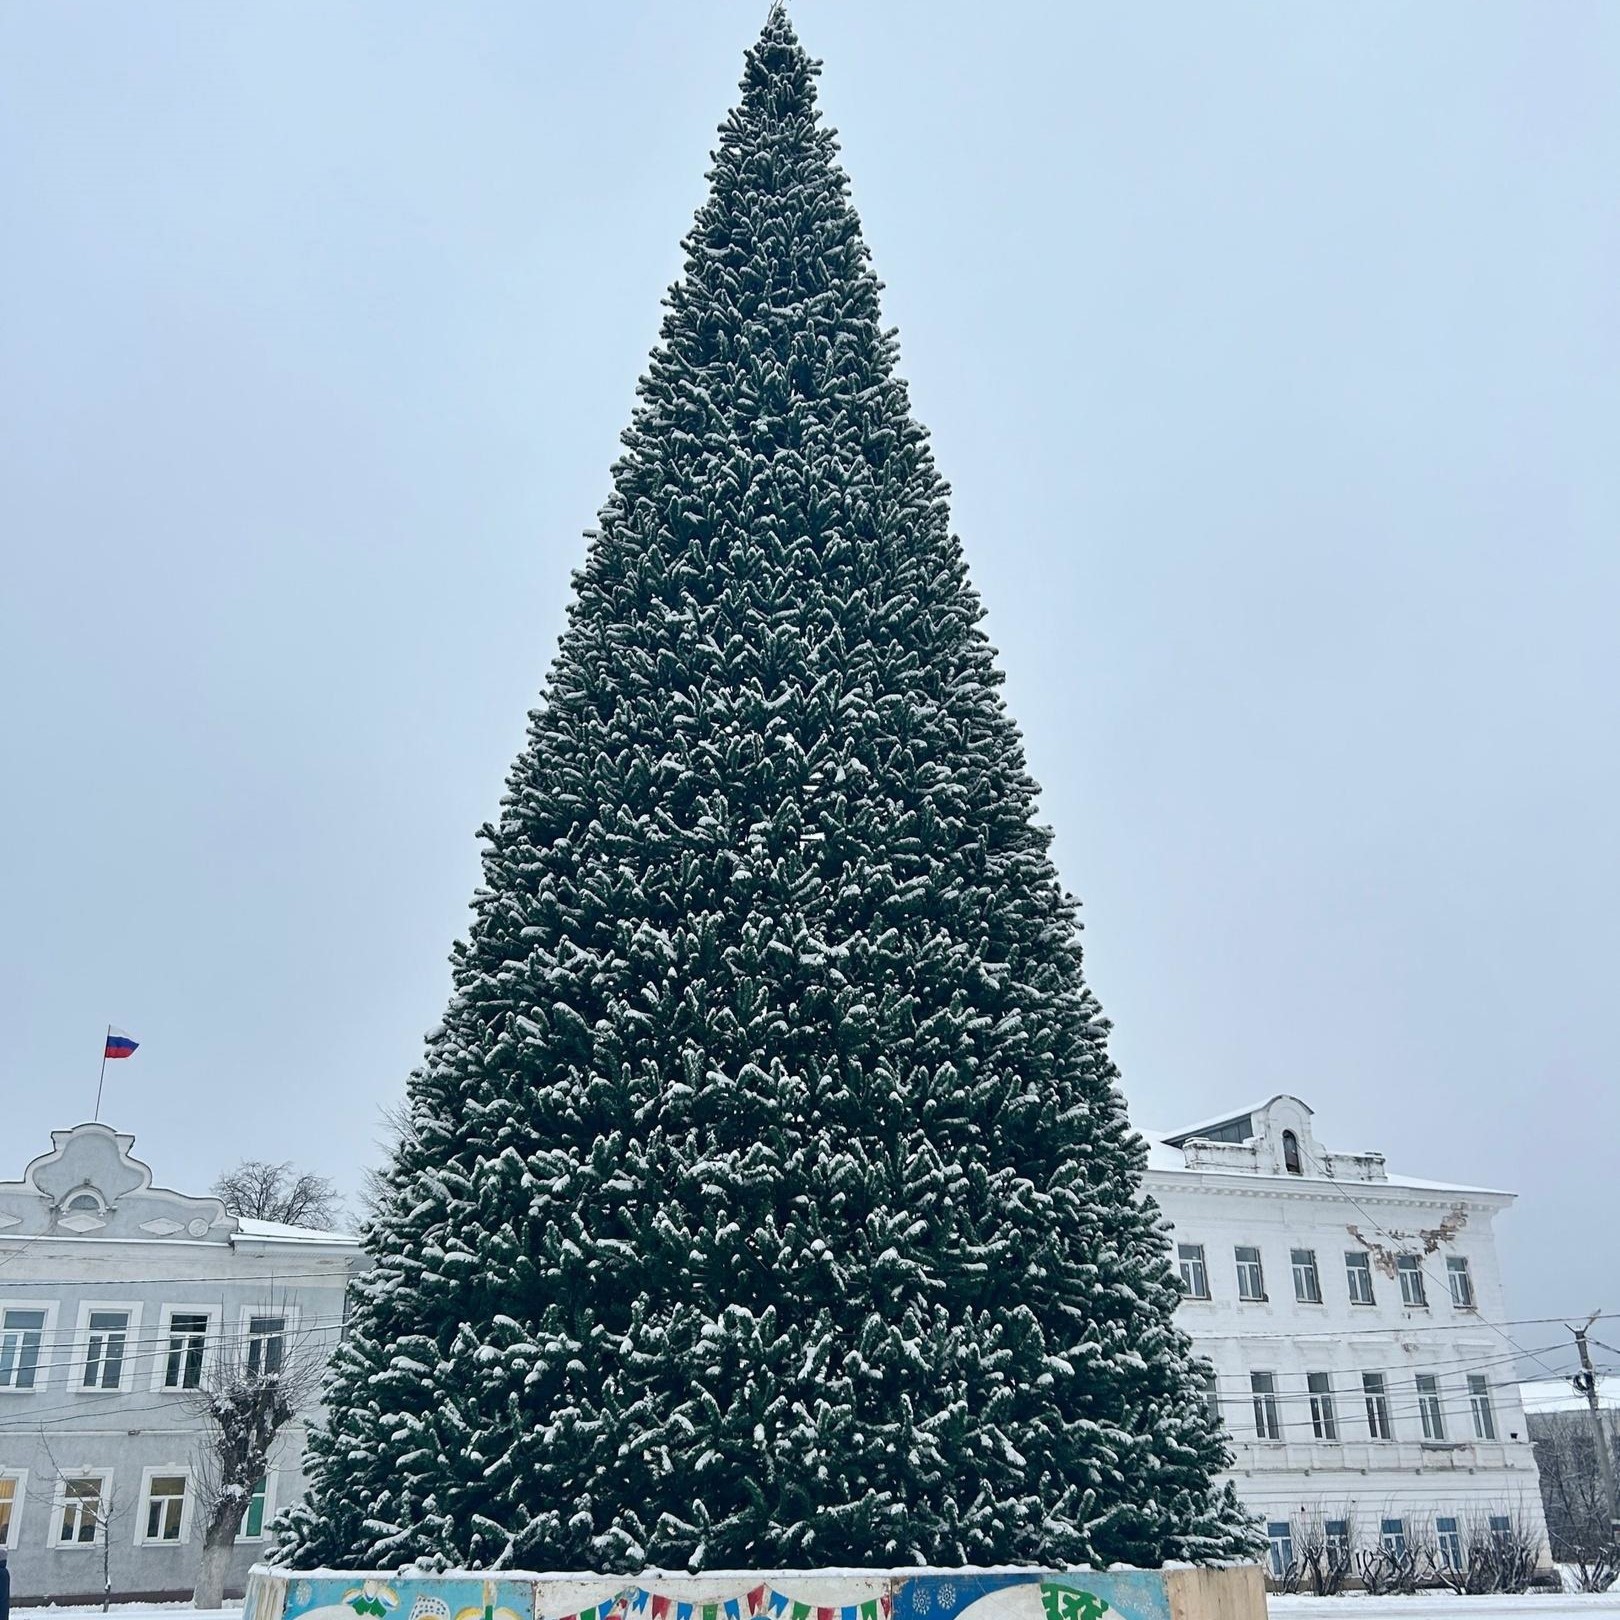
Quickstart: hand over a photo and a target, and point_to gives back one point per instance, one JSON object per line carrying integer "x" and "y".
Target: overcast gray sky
{"x": 1273, "y": 352}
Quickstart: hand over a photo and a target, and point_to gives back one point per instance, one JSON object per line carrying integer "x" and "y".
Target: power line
{"x": 1388, "y": 1328}
{"x": 1455, "y": 1366}
{"x": 83, "y": 1403}
{"x": 8, "y": 1427}
{"x": 1339, "y": 1187}
{"x": 144, "y": 1349}
{"x": 269, "y": 1279}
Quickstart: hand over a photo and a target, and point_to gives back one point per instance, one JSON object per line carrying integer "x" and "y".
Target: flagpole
{"x": 96, "y": 1118}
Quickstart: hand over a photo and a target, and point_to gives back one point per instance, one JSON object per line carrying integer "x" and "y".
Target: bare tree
{"x": 1450, "y": 1554}
{"x": 1502, "y": 1547}
{"x": 251, "y": 1389}
{"x": 1423, "y": 1548}
{"x": 1392, "y": 1562}
{"x": 102, "y": 1508}
{"x": 1576, "y": 1500}
{"x": 263, "y": 1191}
{"x": 395, "y": 1119}
{"x": 1326, "y": 1556}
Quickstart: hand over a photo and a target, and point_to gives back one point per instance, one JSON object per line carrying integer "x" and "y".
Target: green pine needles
{"x": 768, "y": 1199}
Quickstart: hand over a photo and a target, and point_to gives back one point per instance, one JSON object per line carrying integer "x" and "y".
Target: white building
{"x": 116, "y": 1299}
{"x": 1351, "y": 1319}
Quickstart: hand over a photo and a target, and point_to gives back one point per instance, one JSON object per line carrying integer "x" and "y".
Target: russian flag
{"x": 119, "y": 1044}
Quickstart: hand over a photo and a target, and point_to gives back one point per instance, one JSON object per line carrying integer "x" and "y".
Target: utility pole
{"x": 1585, "y": 1382}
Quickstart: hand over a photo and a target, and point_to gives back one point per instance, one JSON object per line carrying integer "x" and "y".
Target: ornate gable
{"x": 90, "y": 1185}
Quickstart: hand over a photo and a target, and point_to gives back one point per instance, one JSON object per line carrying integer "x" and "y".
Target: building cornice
{"x": 1230, "y": 1184}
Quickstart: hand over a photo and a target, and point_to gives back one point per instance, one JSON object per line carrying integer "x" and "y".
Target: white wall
{"x": 1257, "y": 1203}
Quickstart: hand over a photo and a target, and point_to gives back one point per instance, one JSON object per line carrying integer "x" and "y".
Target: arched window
{"x": 1291, "y": 1154}
{"x": 86, "y": 1200}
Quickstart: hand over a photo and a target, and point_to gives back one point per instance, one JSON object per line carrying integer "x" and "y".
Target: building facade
{"x": 1351, "y": 1319}
{"x": 120, "y": 1302}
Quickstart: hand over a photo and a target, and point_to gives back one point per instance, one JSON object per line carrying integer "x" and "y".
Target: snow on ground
{"x": 125, "y": 1611}
{"x": 1435, "y": 1605}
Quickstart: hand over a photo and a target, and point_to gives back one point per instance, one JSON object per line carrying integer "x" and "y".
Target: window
{"x": 80, "y": 1507}
{"x": 10, "y": 1507}
{"x": 1410, "y": 1271}
{"x": 104, "y": 1349}
{"x": 1264, "y": 1387}
{"x": 1280, "y": 1540}
{"x": 1428, "y": 1392}
{"x": 253, "y": 1520}
{"x": 1392, "y": 1533}
{"x": 183, "y": 1364}
{"x": 1307, "y": 1284}
{"x": 1462, "y": 1284}
{"x": 1336, "y": 1535}
{"x": 1212, "y": 1394}
{"x": 84, "y": 1203}
{"x": 1450, "y": 1540}
{"x": 1291, "y": 1154}
{"x": 1251, "y": 1279}
{"x": 1479, "y": 1400}
{"x": 1501, "y": 1526}
{"x": 266, "y": 1343}
{"x": 1377, "y": 1398}
{"x": 1358, "y": 1273}
{"x": 1324, "y": 1421}
{"x": 20, "y": 1334}
{"x": 1194, "y": 1274}
{"x": 164, "y": 1511}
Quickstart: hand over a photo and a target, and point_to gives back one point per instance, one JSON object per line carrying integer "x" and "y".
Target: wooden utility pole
{"x": 1586, "y": 1383}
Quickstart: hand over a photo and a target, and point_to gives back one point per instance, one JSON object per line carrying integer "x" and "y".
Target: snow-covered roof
{"x": 1559, "y": 1395}
{"x": 1418, "y": 1185}
{"x": 1161, "y": 1156}
{"x": 1164, "y": 1158}
{"x": 281, "y": 1232}
{"x": 1187, "y": 1132}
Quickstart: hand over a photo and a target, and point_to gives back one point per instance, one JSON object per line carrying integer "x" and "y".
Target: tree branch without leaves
{"x": 250, "y": 1392}
{"x": 263, "y": 1191}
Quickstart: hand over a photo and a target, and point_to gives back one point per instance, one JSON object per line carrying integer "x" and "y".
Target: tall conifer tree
{"x": 768, "y": 1198}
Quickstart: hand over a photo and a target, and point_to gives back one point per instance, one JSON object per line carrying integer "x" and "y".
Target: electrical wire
{"x": 1339, "y": 1187}
{"x": 146, "y": 1350}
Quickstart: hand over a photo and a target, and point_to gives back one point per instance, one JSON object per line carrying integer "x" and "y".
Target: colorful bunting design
{"x": 761, "y": 1603}
{"x": 616, "y": 1608}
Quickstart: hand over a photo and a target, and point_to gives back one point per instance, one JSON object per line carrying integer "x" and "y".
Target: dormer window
{"x": 86, "y": 1201}
{"x": 1291, "y": 1160}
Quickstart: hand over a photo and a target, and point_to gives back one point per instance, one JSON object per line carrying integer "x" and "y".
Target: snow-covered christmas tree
{"x": 768, "y": 1199}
